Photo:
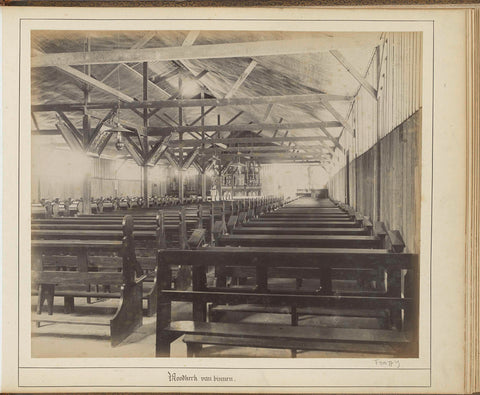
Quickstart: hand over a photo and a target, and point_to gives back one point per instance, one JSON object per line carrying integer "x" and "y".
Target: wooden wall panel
{"x": 399, "y": 180}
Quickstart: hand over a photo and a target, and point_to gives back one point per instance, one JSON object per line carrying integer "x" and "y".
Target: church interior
{"x": 225, "y": 193}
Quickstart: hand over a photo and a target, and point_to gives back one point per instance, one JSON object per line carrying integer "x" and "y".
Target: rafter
{"x": 96, "y": 133}
{"x": 337, "y": 116}
{"x": 274, "y": 155}
{"x": 331, "y": 138}
{"x": 269, "y": 148}
{"x": 69, "y": 136}
{"x": 354, "y": 72}
{"x": 238, "y": 83}
{"x": 243, "y": 127}
{"x": 191, "y": 37}
{"x": 171, "y": 158}
{"x": 134, "y": 151}
{"x": 210, "y": 51}
{"x": 268, "y": 112}
{"x": 239, "y": 101}
{"x": 156, "y": 153}
{"x": 105, "y": 138}
{"x": 71, "y": 126}
{"x": 247, "y": 140}
{"x": 139, "y": 76}
{"x": 190, "y": 158}
{"x": 139, "y": 44}
{"x": 95, "y": 83}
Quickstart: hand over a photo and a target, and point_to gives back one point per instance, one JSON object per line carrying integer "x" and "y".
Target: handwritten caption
{"x": 173, "y": 376}
{"x": 389, "y": 363}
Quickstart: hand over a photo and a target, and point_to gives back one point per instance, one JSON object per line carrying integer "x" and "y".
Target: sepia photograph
{"x": 225, "y": 194}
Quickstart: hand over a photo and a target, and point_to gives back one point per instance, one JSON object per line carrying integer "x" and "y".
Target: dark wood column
{"x": 180, "y": 138}
{"x": 347, "y": 177}
{"x": 87, "y": 131}
{"x": 145, "y": 137}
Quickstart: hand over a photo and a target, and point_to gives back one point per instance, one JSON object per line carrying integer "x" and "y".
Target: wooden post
{"x": 180, "y": 185}
{"x": 87, "y": 181}
{"x": 87, "y": 188}
{"x": 219, "y": 184}
{"x": 347, "y": 178}
{"x": 204, "y": 174}
{"x": 180, "y": 138}
{"x": 145, "y": 137}
{"x": 204, "y": 186}
{"x": 376, "y": 158}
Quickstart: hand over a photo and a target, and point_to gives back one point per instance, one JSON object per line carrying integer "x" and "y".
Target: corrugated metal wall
{"x": 386, "y": 146}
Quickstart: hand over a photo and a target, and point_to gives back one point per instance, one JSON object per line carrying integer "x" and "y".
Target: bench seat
{"x": 286, "y": 337}
{"x": 71, "y": 319}
{"x": 290, "y": 344}
{"x": 249, "y": 308}
{"x": 338, "y": 241}
{"x": 301, "y": 223}
{"x": 305, "y": 333}
{"x": 271, "y": 230}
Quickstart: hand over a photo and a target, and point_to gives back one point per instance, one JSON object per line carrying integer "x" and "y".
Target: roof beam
{"x": 139, "y": 44}
{"x": 140, "y": 77}
{"x": 205, "y": 113}
{"x": 69, "y": 137}
{"x": 190, "y": 158}
{"x": 268, "y": 112}
{"x": 171, "y": 158}
{"x": 133, "y": 150}
{"x": 96, "y": 133}
{"x": 156, "y": 153}
{"x": 242, "y": 127}
{"x": 349, "y": 67}
{"x": 239, "y": 101}
{"x": 210, "y": 51}
{"x": 274, "y": 155}
{"x": 246, "y": 140}
{"x": 337, "y": 116}
{"x": 191, "y": 37}
{"x": 331, "y": 138}
{"x": 238, "y": 83}
{"x": 78, "y": 75}
{"x": 95, "y": 83}
{"x": 71, "y": 126}
{"x": 266, "y": 148}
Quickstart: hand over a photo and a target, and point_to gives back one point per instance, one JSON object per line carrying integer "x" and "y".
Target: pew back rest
{"x": 68, "y": 262}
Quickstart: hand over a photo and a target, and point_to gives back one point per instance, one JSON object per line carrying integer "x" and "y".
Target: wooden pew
{"x": 400, "y": 339}
{"x": 40, "y": 211}
{"x": 265, "y": 230}
{"x": 146, "y": 243}
{"x": 288, "y": 240}
{"x": 83, "y": 271}
{"x": 348, "y": 237}
{"x": 301, "y": 223}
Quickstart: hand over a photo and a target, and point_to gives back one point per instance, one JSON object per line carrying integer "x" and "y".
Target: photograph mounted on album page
{"x": 202, "y": 200}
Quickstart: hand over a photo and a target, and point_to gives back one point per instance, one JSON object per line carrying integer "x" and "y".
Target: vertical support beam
{"x": 180, "y": 185}
{"x": 145, "y": 136}
{"x": 180, "y": 138}
{"x": 347, "y": 178}
{"x": 203, "y": 174}
{"x": 87, "y": 181}
{"x": 204, "y": 186}
{"x": 377, "y": 154}
{"x": 219, "y": 184}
